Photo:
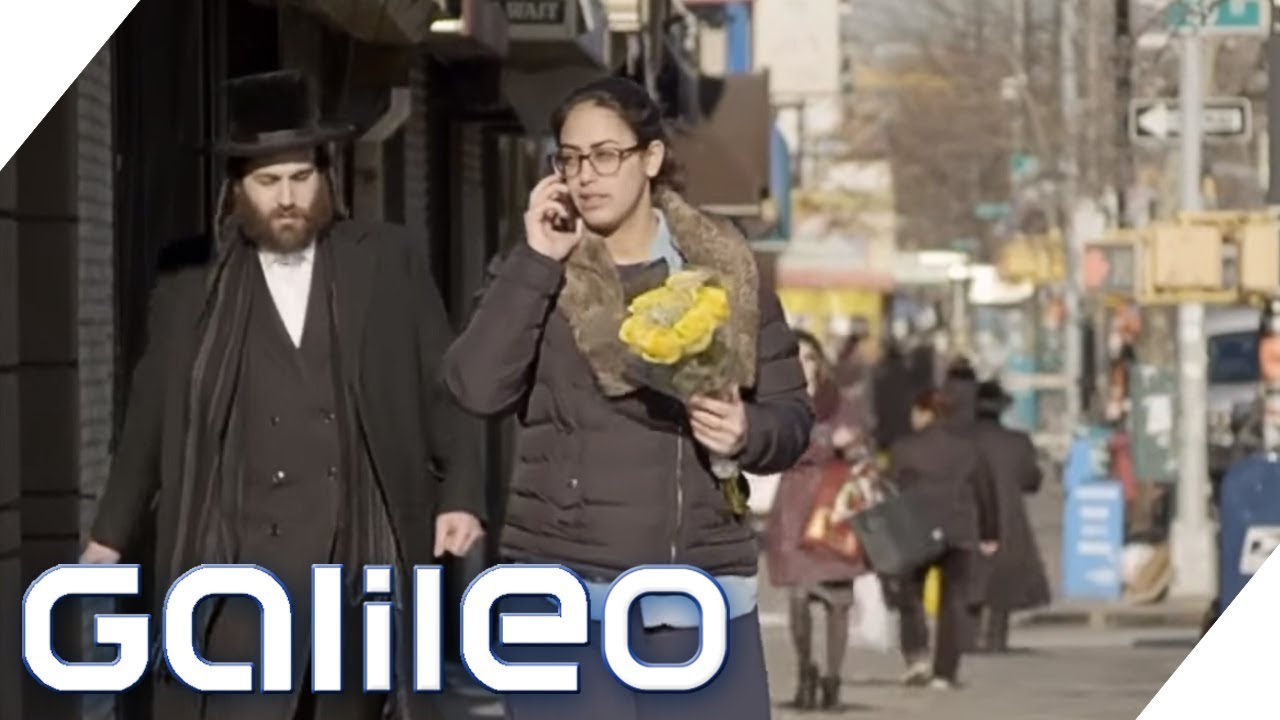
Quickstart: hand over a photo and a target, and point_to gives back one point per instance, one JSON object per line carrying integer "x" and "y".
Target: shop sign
{"x": 536, "y": 12}
{"x": 553, "y": 20}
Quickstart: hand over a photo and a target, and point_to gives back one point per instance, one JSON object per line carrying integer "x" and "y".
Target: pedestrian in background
{"x": 893, "y": 387}
{"x": 852, "y": 374}
{"x": 1013, "y": 578}
{"x": 609, "y": 475}
{"x": 814, "y": 574}
{"x": 944, "y": 468}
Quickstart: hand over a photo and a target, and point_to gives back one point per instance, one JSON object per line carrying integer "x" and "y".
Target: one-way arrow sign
{"x": 1157, "y": 119}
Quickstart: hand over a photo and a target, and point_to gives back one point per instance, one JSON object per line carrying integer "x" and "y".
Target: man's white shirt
{"x": 289, "y": 279}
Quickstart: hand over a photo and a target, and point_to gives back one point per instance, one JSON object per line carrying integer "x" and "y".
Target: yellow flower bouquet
{"x": 675, "y": 334}
{"x": 674, "y": 329}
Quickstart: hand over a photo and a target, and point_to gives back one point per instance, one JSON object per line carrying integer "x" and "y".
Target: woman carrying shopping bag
{"x": 809, "y": 547}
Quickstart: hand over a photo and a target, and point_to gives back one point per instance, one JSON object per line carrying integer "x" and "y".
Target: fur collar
{"x": 593, "y": 299}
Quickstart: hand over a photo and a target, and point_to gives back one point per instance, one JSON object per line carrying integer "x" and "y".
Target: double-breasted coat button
{"x": 333, "y": 472}
{"x": 275, "y": 420}
{"x": 573, "y": 483}
{"x": 328, "y": 416}
{"x": 277, "y": 477}
{"x": 274, "y": 530}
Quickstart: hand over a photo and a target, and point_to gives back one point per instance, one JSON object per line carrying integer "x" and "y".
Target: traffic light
{"x": 1259, "y": 243}
{"x": 1110, "y": 266}
{"x": 1186, "y": 257}
{"x": 1215, "y": 257}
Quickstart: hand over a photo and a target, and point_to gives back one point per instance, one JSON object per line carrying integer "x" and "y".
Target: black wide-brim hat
{"x": 992, "y": 397}
{"x": 275, "y": 112}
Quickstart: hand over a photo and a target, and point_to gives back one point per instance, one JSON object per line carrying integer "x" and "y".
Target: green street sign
{"x": 1023, "y": 166}
{"x": 992, "y": 210}
{"x": 1222, "y": 17}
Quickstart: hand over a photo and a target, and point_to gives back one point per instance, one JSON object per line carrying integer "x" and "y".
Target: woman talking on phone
{"x": 609, "y": 475}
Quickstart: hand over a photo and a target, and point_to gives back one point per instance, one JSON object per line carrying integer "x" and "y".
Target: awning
{"x": 555, "y": 47}
{"x": 726, "y": 155}
{"x": 383, "y": 22}
{"x": 535, "y": 93}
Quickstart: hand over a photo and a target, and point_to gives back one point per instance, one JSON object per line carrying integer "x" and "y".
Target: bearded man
{"x": 286, "y": 412}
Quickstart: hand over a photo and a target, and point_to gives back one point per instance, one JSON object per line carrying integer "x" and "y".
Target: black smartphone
{"x": 561, "y": 224}
{"x": 570, "y": 222}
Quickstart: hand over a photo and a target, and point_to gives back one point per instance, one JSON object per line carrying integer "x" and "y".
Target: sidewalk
{"x": 1053, "y": 674}
{"x": 1186, "y": 614}
{"x": 1045, "y": 513}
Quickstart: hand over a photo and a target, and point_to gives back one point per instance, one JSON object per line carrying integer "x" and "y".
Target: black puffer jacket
{"x": 608, "y": 477}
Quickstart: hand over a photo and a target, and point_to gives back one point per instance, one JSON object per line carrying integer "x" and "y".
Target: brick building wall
{"x": 417, "y": 148}
{"x": 11, "y": 669}
{"x": 95, "y": 297}
{"x": 96, "y": 286}
{"x": 56, "y": 364}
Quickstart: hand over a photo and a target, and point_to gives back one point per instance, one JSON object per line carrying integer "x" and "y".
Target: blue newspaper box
{"x": 1087, "y": 459}
{"x": 1249, "y": 513}
{"x": 1093, "y": 541}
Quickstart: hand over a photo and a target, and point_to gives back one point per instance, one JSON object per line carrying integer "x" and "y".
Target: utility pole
{"x": 1122, "y": 168}
{"x": 1193, "y": 545}
{"x": 1273, "y": 114}
{"x": 1069, "y": 90}
{"x": 1019, "y": 79}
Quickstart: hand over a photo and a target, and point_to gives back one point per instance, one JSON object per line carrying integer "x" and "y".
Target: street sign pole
{"x": 1273, "y": 110}
{"x": 1073, "y": 343}
{"x": 1192, "y": 537}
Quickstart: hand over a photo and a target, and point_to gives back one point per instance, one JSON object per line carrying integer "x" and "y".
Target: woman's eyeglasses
{"x": 605, "y": 161}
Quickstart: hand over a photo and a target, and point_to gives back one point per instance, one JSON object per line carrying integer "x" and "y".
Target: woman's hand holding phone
{"x": 550, "y": 224}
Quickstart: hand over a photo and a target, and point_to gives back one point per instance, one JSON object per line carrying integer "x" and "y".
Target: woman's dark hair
{"x": 826, "y": 398}
{"x": 932, "y": 401}
{"x": 804, "y": 337}
{"x": 637, "y": 109}
{"x": 850, "y": 346}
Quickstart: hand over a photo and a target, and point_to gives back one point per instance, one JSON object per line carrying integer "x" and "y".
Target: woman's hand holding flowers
{"x": 720, "y": 425}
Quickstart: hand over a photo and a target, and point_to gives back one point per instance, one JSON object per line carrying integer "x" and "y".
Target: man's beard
{"x": 309, "y": 223}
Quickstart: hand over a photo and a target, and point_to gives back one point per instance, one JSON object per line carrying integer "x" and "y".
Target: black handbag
{"x": 898, "y": 536}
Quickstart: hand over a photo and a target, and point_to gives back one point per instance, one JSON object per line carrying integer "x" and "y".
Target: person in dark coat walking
{"x": 1014, "y": 577}
{"x": 288, "y": 411}
{"x": 893, "y": 388}
{"x": 609, "y": 475}
{"x": 942, "y": 466}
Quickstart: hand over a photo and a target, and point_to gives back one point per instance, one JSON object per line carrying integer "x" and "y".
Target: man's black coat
{"x": 394, "y": 331}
